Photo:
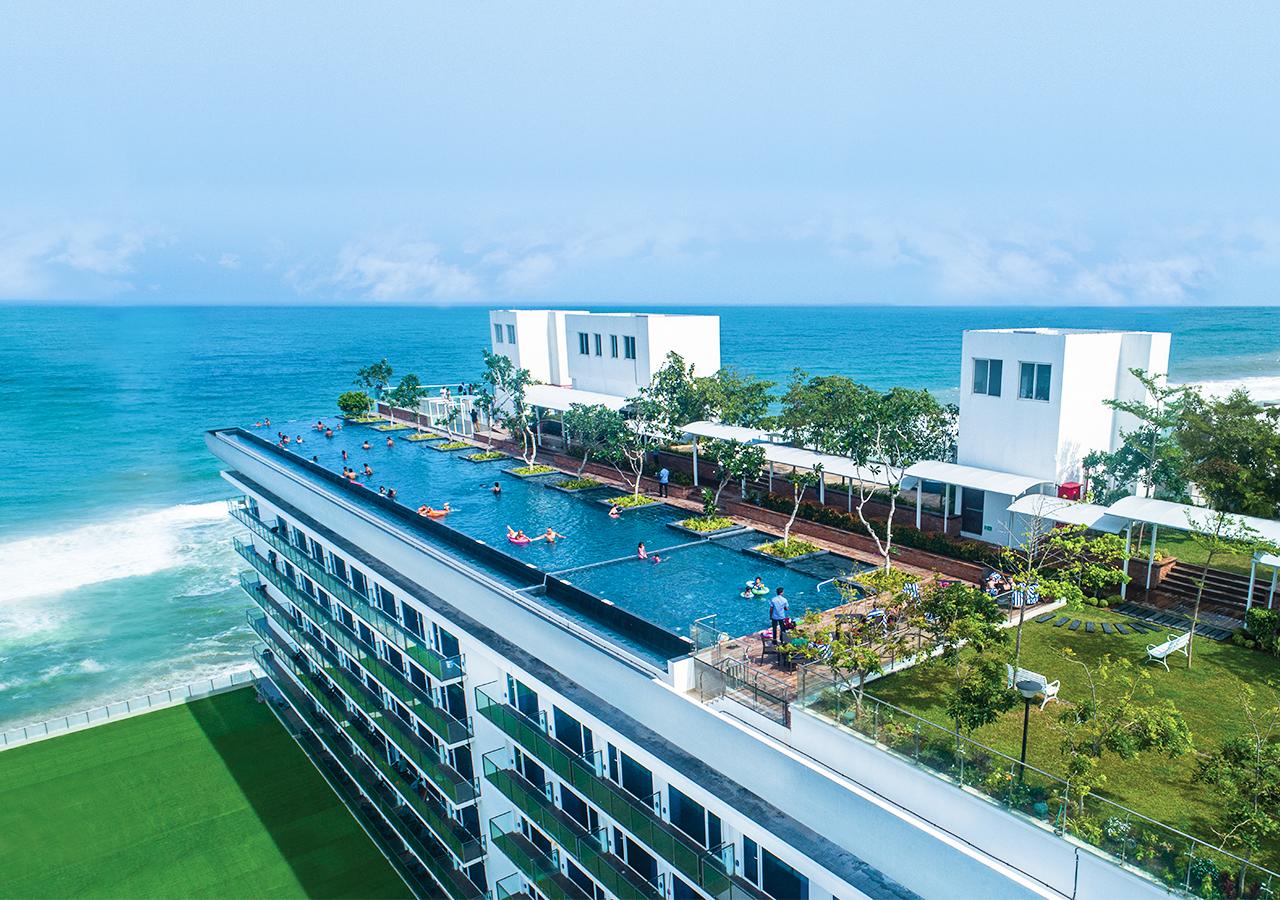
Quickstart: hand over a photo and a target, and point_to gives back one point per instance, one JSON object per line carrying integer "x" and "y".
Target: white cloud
{"x": 399, "y": 269}
{"x": 229, "y": 261}
{"x": 67, "y": 261}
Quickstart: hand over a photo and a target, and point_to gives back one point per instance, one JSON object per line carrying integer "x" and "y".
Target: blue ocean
{"x": 116, "y": 572}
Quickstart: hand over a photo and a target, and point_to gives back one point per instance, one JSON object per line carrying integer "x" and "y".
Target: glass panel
{"x": 1027, "y": 381}
{"x": 1043, "y": 374}
{"x": 994, "y": 377}
{"x": 979, "y": 376}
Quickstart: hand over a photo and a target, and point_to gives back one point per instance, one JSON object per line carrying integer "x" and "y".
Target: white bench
{"x": 1160, "y": 652}
{"x": 1046, "y": 687}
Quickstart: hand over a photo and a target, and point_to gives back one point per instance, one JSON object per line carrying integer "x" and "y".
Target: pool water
{"x": 696, "y": 578}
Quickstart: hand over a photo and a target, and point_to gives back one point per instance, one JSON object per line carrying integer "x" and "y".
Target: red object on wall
{"x": 1069, "y": 490}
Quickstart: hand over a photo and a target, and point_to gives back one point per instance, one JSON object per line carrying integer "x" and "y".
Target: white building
{"x": 614, "y": 353}
{"x": 1032, "y": 405}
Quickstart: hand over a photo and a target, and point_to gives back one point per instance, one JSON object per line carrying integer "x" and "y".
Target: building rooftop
{"x": 593, "y": 575}
{"x": 1057, "y": 331}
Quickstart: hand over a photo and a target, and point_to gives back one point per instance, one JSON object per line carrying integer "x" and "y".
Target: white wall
{"x": 540, "y": 344}
{"x": 696, "y": 338}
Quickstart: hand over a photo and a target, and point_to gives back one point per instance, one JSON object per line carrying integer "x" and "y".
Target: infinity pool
{"x": 697, "y": 577}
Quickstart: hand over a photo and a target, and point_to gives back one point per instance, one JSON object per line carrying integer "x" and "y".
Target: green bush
{"x": 453, "y": 445}
{"x": 703, "y": 523}
{"x": 787, "y": 549}
{"x": 530, "y": 470}
{"x": 486, "y": 455}
{"x": 1102, "y": 603}
{"x": 578, "y": 484}
{"x": 627, "y": 501}
{"x": 355, "y": 403}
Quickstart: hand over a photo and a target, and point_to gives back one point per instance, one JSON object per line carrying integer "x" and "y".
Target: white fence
{"x": 124, "y": 708}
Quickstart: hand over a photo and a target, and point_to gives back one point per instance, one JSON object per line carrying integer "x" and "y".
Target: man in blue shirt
{"x": 664, "y": 476}
{"x": 777, "y": 614}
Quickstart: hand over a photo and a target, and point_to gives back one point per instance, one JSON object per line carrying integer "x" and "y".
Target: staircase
{"x": 1222, "y": 589}
{"x": 1172, "y": 604}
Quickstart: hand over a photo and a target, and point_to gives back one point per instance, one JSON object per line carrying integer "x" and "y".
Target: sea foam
{"x": 138, "y": 544}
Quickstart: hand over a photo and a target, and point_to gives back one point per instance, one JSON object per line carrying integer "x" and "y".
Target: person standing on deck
{"x": 777, "y": 614}
{"x": 664, "y": 476}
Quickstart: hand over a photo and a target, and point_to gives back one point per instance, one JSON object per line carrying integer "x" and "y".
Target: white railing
{"x": 123, "y": 708}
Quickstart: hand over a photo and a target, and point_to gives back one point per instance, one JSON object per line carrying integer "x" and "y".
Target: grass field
{"x": 1209, "y": 696}
{"x": 209, "y": 799}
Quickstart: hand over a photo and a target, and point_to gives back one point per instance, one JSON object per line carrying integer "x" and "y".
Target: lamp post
{"x": 1029, "y": 691}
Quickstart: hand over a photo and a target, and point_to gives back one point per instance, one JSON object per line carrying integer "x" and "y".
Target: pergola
{"x": 974, "y": 477}
{"x": 1200, "y": 519}
{"x": 550, "y": 396}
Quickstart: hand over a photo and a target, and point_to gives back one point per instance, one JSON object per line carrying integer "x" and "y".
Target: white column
{"x": 695, "y": 460}
{"x": 1253, "y": 577}
{"x": 822, "y": 488}
{"x": 1151, "y": 556}
{"x": 1128, "y": 537}
{"x": 849, "y": 497}
{"x": 770, "y": 476}
{"x": 1271, "y": 594}
{"x": 919, "y": 489}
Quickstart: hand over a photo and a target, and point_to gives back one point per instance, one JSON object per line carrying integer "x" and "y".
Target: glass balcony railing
{"x": 447, "y": 727}
{"x": 511, "y": 888}
{"x": 433, "y": 855}
{"x": 409, "y": 744}
{"x": 589, "y": 851}
{"x": 540, "y": 869}
{"x": 705, "y": 869}
{"x": 443, "y": 668}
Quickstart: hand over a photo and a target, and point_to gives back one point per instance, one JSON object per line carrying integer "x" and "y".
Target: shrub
{"x": 486, "y": 455}
{"x": 703, "y": 523}
{"x": 529, "y": 470}
{"x": 355, "y": 403}
{"x": 453, "y": 445}
{"x": 1103, "y": 603}
{"x": 578, "y": 484}
{"x": 787, "y": 550}
{"x": 627, "y": 501}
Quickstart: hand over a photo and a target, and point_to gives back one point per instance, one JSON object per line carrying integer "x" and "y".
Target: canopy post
{"x": 1253, "y": 577}
{"x": 919, "y": 487}
{"x": 1271, "y": 594}
{"x": 849, "y": 495}
{"x": 695, "y": 460}
{"x": 1128, "y": 539}
{"x": 1151, "y": 554}
{"x": 822, "y": 488}
{"x": 770, "y": 476}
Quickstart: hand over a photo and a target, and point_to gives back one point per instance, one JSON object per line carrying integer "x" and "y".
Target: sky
{"x": 665, "y": 153}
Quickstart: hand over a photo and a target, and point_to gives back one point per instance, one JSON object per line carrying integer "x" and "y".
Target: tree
{"x": 597, "y": 429}
{"x": 677, "y": 398}
{"x": 1245, "y": 774}
{"x": 406, "y": 395}
{"x": 882, "y": 433}
{"x": 734, "y": 462}
{"x": 1061, "y": 561}
{"x": 1217, "y": 532}
{"x": 642, "y": 435}
{"x": 355, "y": 403}
{"x": 502, "y": 398}
{"x": 1126, "y": 722}
{"x": 801, "y": 480}
{"x": 980, "y": 694}
{"x": 1149, "y": 457}
{"x": 858, "y": 650}
{"x": 375, "y": 378}
{"x": 1232, "y": 450}
{"x": 734, "y": 398}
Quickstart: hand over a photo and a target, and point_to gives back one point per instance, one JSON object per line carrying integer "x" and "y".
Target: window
{"x": 584, "y": 344}
{"x": 613, "y": 346}
{"x": 688, "y": 815}
{"x": 987, "y": 374}
{"x": 497, "y": 334}
{"x": 359, "y": 582}
{"x": 599, "y": 350}
{"x": 511, "y": 334}
{"x": 1034, "y": 381}
{"x": 629, "y": 347}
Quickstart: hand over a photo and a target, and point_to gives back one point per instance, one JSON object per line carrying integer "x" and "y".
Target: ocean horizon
{"x": 116, "y": 572}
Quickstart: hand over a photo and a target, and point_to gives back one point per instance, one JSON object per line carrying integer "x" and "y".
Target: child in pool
{"x": 644, "y": 554}
{"x": 614, "y": 512}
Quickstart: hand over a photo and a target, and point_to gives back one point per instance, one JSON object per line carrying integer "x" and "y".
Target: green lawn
{"x": 1180, "y": 544}
{"x": 209, "y": 799}
{"x": 1208, "y": 695}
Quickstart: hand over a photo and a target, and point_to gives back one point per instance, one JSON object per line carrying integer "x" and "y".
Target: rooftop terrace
{"x": 593, "y": 573}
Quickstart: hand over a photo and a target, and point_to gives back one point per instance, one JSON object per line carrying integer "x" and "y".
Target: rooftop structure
{"x": 613, "y": 353}
{"x": 527, "y": 720}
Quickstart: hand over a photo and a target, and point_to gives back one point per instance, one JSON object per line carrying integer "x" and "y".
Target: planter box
{"x": 423, "y": 436}
{"x": 497, "y": 458}
{"x": 565, "y": 490}
{"x": 752, "y": 551}
{"x": 443, "y": 449}
{"x": 626, "y": 509}
{"x": 706, "y": 534}
{"x": 398, "y": 426}
{"x": 515, "y": 474}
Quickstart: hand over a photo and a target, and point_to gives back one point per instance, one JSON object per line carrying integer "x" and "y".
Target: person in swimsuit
{"x": 615, "y": 512}
{"x": 551, "y": 536}
{"x": 644, "y": 554}
{"x": 364, "y": 446}
{"x": 497, "y": 489}
{"x": 391, "y": 442}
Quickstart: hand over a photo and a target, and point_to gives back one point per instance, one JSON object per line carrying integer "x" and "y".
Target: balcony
{"x": 455, "y": 884}
{"x": 448, "y": 728}
{"x": 446, "y": 829}
{"x": 541, "y": 870}
{"x": 698, "y": 865}
{"x": 442, "y": 668}
{"x": 588, "y": 850}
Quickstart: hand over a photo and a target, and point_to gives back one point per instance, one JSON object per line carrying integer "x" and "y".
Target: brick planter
{"x": 702, "y": 534}
{"x": 515, "y": 474}
{"x": 752, "y": 551}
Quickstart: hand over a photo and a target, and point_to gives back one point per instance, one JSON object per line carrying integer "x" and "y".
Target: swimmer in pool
{"x": 391, "y": 442}
{"x": 368, "y": 471}
{"x": 614, "y": 512}
{"x": 516, "y": 535}
{"x": 551, "y": 536}
{"x": 423, "y": 510}
{"x": 497, "y": 489}
{"x": 644, "y": 554}
{"x": 364, "y": 446}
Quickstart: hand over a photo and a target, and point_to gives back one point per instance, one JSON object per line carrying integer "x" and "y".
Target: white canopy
{"x": 842, "y": 466}
{"x": 721, "y": 432}
{"x": 1068, "y": 512}
{"x": 1168, "y": 514}
{"x": 549, "y": 396}
{"x": 974, "y": 477}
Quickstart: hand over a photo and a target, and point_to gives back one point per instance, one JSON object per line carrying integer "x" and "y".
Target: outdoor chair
{"x": 1046, "y": 687}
